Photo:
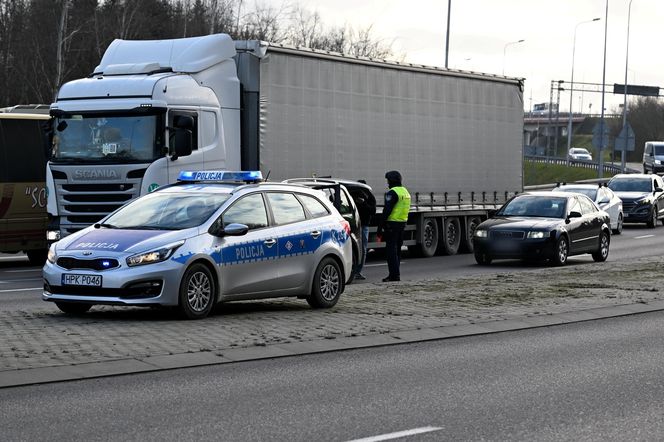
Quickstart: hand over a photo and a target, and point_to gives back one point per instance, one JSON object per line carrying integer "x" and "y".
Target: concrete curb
{"x": 32, "y": 376}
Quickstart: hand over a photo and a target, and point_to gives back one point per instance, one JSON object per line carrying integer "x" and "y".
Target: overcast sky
{"x": 481, "y": 33}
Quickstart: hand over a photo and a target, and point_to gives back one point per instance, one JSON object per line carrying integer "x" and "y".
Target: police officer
{"x": 395, "y": 215}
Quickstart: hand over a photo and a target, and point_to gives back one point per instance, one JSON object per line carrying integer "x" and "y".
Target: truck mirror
{"x": 181, "y": 141}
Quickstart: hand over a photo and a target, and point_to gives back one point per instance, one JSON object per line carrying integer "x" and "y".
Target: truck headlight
{"x": 52, "y": 256}
{"x": 481, "y": 233}
{"x": 536, "y": 235}
{"x": 157, "y": 255}
{"x": 53, "y": 235}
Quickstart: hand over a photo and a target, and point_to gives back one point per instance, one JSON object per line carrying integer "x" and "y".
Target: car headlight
{"x": 157, "y": 255}
{"x": 658, "y": 162}
{"x": 481, "y": 233}
{"x": 643, "y": 201}
{"x": 52, "y": 256}
{"x": 536, "y": 235}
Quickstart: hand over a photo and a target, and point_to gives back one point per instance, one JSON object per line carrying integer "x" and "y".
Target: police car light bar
{"x": 216, "y": 176}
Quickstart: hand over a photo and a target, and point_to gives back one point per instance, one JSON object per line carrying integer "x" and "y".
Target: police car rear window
{"x": 315, "y": 207}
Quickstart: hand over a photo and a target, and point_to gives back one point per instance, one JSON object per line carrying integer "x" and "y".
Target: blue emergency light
{"x": 216, "y": 176}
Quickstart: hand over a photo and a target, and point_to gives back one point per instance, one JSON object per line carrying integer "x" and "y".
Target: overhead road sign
{"x": 633, "y": 89}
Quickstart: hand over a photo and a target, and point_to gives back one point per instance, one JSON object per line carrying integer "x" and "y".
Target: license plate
{"x": 83, "y": 280}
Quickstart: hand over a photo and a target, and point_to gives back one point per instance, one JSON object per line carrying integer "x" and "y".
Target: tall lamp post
{"x": 601, "y": 118}
{"x": 624, "y": 150}
{"x": 447, "y": 37}
{"x": 505, "y": 50}
{"x": 571, "y": 88}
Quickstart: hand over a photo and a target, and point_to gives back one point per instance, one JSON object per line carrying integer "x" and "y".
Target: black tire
{"x": 645, "y": 170}
{"x": 451, "y": 236}
{"x": 198, "y": 292}
{"x": 652, "y": 222}
{"x": 482, "y": 258}
{"x": 430, "y": 238}
{"x": 603, "y": 251}
{"x": 471, "y": 226}
{"x": 37, "y": 257}
{"x": 327, "y": 285}
{"x": 561, "y": 252}
{"x": 73, "y": 308}
{"x": 619, "y": 228}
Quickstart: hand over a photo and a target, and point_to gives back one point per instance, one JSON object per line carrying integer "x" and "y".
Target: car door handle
{"x": 270, "y": 242}
{"x": 315, "y": 234}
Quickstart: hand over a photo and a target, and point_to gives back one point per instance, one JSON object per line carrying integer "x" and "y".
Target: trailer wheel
{"x": 429, "y": 240}
{"x": 471, "y": 225}
{"x": 451, "y": 236}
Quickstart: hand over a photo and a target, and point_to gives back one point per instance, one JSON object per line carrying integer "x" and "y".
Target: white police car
{"x": 212, "y": 237}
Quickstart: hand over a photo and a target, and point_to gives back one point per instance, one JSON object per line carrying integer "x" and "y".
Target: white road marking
{"x": 21, "y": 290}
{"x": 644, "y": 236}
{"x": 398, "y": 434}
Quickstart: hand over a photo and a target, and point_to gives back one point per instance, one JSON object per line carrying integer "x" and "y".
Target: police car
{"x": 211, "y": 237}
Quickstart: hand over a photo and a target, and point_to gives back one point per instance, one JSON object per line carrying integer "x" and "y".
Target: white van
{"x": 653, "y": 157}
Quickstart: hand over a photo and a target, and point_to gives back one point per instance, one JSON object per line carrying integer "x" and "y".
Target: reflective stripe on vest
{"x": 402, "y": 207}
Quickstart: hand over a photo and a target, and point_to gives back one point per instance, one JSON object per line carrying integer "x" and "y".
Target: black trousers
{"x": 393, "y": 243}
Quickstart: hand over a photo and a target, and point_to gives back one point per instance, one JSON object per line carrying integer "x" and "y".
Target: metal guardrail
{"x": 609, "y": 168}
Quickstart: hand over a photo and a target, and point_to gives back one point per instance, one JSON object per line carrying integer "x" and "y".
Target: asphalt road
{"x": 597, "y": 380}
{"x": 20, "y": 283}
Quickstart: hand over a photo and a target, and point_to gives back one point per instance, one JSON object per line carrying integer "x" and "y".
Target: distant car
{"x": 579, "y": 153}
{"x": 339, "y": 192}
{"x": 212, "y": 237}
{"x": 653, "y": 157}
{"x": 605, "y": 200}
{"x": 544, "y": 225}
{"x": 642, "y": 196}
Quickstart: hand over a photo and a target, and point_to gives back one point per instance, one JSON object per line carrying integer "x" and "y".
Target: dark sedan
{"x": 544, "y": 225}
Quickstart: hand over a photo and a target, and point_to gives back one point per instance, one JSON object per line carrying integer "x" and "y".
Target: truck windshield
{"x": 116, "y": 138}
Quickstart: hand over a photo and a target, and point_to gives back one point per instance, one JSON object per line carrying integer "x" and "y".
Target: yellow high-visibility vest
{"x": 402, "y": 207}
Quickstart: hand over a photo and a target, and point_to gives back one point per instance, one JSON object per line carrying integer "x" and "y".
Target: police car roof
{"x": 225, "y": 188}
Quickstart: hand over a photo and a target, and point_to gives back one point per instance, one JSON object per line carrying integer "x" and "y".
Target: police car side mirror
{"x": 233, "y": 229}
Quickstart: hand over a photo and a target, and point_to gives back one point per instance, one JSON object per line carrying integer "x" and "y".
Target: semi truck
{"x": 153, "y": 108}
{"x": 23, "y": 149}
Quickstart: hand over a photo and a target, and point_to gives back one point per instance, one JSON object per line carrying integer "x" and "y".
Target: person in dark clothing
{"x": 366, "y": 205}
{"x": 395, "y": 216}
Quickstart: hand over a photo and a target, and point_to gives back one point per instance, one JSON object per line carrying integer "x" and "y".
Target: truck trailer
{"x": 154, "y": 108}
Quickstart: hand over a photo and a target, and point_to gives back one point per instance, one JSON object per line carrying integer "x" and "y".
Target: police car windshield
{"x": 167, "y": 211}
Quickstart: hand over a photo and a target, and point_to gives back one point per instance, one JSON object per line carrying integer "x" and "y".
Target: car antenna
{"x": 267, "y": 177}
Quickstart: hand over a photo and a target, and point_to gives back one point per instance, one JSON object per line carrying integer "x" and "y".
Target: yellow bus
{"x": 23, "y": 147}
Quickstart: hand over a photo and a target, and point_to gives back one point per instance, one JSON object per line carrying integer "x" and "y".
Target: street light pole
{"x": 601, "y": 120}
{"x": 571, "y": 88}
{"x": 505, "y": 50}
{"x": 447, "y": 37}
{"x": 624, "y": 151}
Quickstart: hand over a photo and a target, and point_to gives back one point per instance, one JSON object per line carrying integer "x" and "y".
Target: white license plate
{"x": 84, "y": 280}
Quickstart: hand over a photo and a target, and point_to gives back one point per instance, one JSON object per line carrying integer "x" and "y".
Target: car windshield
{"x": 166, "y": 211}
{"x": 580, "y": 151}
{"x": 590, "y": 193}
{"x": 534, "y": 205}
{"x": 116, "y": 138}
{"x": 631, "y": 185}
{"x": 659, "y": 149}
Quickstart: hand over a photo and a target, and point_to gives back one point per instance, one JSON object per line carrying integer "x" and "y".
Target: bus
{"x": 23, "y": 156}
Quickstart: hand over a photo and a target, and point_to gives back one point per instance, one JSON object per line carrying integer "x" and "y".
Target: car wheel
{"x": 482, "y": 259}
{"x": 197, "y": 292}
{"x": 451, "y": 235}
{"x": 73, "y": 308}
{"x": 327, "y": 285}
{"x": 561, "y": 252}
{"x": 619, "y": 228}
{"x": 603, "y": 252}
{"x": 37, "y": 257}
{"x": 471, "y": 226}
{"x": 652, "y": 222}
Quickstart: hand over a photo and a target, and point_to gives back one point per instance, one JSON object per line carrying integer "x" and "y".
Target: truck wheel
{"x": 327, "y": 286}
{"x": 471, "y": 226}
{"x": 37, "y": 257}
{"x": 197, "y": 292}
{"x": 451, "y": 235}
{"x": 429, "y": 239}
{"x": 73, "y": 308}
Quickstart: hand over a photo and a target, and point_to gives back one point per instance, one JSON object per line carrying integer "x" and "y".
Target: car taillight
{"x": 346, "y": 226}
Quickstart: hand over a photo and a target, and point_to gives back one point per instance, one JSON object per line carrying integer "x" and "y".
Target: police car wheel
{"x": 197, "y": 292}
{"x": 327, "y": 286}
{"x": 73, "y": 308}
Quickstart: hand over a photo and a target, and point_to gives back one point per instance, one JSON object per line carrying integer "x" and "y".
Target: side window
{"x": 574, "y": 206}
{"x": 175, "y": 114}
{"x": 648, "y": 149}
{"x": 249, "y": 210}
{"x": 315, "y": 207}
{"x": 587, "y": 206}
{"x": 659, "y": 183}
{"x": 285, "y": 208}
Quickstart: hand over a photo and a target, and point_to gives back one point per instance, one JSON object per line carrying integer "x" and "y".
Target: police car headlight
{"x": 158, "y": 255}
{"x": 52, "y": 256}
{"x": 536, "y": 235}
{"x": 481, "y": 233}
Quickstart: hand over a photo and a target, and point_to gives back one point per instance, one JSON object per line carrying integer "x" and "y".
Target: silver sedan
{"x": 605, "y": 200}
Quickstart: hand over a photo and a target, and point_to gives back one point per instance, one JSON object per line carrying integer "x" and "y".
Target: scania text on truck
{"x": 154, "y": 108}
